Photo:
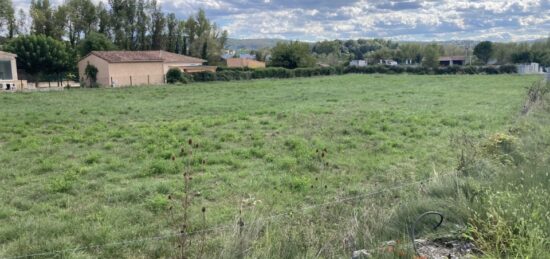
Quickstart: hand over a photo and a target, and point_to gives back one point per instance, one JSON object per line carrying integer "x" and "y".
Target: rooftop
{"x": 145, "y": 56}
{"x": 447, "y": 58}
{"x": 7, "y": 54}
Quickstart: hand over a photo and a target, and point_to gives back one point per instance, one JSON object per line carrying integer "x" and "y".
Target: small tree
{"x": 431, "y": 56}
{"x": 292, "y": 55}
{"x": 484, "y": 51}
{"x": 91, "y": 74}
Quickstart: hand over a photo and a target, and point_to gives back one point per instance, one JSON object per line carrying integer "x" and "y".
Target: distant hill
{"x": 256, "y": 44}
{"x": 252, "y": 44}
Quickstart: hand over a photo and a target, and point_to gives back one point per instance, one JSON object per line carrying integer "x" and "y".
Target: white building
{"x": 358, "y": 63}
{"x": 8, "y": 71}
{"x": 388, "y": 62}
{"x": 533, "y": 68}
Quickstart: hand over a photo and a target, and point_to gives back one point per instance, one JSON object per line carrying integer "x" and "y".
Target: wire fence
{"x": 266, "y": 219}
{"x": 130, "y": 80}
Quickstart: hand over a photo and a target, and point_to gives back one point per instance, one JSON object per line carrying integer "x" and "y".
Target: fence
{"x": 128, "y": 80}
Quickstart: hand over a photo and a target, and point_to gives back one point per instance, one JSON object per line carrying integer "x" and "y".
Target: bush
{"x": 489, "y": 70}
{"x": 174, "y": 75}
{"x": 470, "y": 70}
{"x": 205, "y": 76}
{"x": 508, "y": 69}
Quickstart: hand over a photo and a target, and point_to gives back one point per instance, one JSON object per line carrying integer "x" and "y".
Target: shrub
{"x": 206, "y": 76}
{"x": 470, "y": 70}
{"x": 508, "y": 69}
{"x": 489, "y": 70}
{"x": 174, "y": 75}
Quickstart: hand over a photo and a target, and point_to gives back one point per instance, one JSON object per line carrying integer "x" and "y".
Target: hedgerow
{"x": 232, "y": 74}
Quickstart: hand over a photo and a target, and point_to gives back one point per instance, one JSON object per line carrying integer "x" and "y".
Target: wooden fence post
{"x": 131, "y": 81}
{"x": 112, "y": 83}
{"x": 148, "y": 81}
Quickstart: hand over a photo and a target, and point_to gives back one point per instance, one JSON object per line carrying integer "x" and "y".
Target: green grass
{"x": 93, "y": 166}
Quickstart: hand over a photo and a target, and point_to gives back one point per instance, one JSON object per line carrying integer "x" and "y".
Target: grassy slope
{"x": 93, "y": 166}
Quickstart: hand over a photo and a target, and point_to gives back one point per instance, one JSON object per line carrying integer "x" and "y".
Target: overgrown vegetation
{"x": 101, "y": 172}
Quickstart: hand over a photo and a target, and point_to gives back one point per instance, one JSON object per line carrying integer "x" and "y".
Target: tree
{"x": 431, "y": 56}
{"x": 39, "y": 54}
{"x": 22, "y": 22}
{"x": 143, "y": 21}
{"x": 292, "y": 55}
{"x": 7, "y": 18}
{"x": 484, "y": 51}
{"x": 157, "y": 26}
{"x": 42, "y": 16}
{"x": 81, "y": 19}
{"x": 94, "y": 41}
{"x": 171, "y": 32}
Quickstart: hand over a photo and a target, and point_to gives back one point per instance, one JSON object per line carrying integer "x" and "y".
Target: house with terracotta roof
{"x": 127, "y": 68}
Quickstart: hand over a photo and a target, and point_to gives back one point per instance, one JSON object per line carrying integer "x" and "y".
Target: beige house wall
{"x": 103, "y": 76}
{"x": 241, "y": 62}
{"x": 137, "y": 73}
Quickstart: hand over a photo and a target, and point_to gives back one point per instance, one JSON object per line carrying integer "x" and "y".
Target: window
{"x": 5, "y": 70}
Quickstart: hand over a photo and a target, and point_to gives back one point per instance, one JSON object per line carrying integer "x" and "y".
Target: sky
{"x": 406, "y": 20}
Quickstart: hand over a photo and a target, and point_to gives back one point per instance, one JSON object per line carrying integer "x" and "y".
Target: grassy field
{"x": 94, "y": 166}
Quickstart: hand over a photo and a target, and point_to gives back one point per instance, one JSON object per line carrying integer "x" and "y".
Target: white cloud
{"x": 396, "y": 19}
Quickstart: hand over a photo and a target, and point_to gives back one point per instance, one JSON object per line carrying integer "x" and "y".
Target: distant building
{"x": 452, "y": 61}
{"x": 533, "y": 68}
{"x": 8, "y": 71}
{"x": 388, "y": 62}
{"x": 243, "y": 62}
{"x": 358, "y": 63}
{"x": 122, "y": 68}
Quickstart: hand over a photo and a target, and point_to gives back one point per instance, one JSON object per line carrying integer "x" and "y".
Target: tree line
{"x": 83, "y": 26}
{"x": 340, "y": 53}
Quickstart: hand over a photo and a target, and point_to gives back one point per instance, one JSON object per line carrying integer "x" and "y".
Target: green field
{"x": 94, "y": 166}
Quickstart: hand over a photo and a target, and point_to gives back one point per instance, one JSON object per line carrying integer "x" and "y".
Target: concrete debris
{"x": 361, "y": 254}
{"x": 446, "y": 248}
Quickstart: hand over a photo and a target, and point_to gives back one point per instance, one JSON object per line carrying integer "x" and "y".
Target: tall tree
{"x": 104, "y": 20}
{"x": 81, "y": 19}
{"x": 431, "y": 56}
{"x": 42, "y": 16}
{"x": 22, "y": 22}
{"x": 117, "y": 14}
{"x": 142, "y": 23}
{"x": 157, "y": 26}
{"x": 7, "y": 18}
{"x": 484, "y": 51}
{"x": 171, "y": 32}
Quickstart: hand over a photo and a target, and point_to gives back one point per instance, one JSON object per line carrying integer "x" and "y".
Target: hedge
{"x": 231, "y": 74}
